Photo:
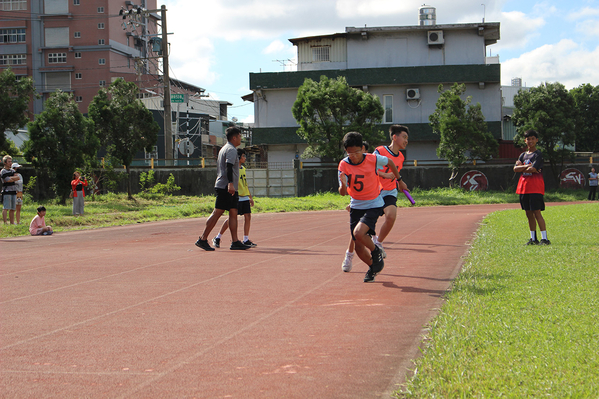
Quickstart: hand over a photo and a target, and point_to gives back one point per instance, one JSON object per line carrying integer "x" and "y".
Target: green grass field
{"x": 520, "y": 321}
{"x": 115, "y": 209}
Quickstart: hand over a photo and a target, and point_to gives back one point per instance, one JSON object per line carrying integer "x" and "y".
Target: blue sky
{"x": 215, "y": 45}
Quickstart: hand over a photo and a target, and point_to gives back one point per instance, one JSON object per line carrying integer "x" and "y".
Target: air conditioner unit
{"x": 435, "y": 37}
{"x": 412, "y": 94}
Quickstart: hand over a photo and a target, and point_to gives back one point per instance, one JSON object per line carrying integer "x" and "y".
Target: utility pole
{"x": 168, "y": 126}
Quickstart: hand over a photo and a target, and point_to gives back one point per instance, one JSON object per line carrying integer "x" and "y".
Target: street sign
{"x": 177, "y": 98}
{"x": 186, "y": 147}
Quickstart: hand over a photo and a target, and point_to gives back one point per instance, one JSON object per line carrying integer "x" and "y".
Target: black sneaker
{"x": 369, "y": 276}
{"x": 237, "y": 245}
{"x": 545, "y": 242}
{"x": 204, "y": 245}
{"x": 532, "y": 242}
{"x": 216, "y": 242}
{"x": 249, "y": 243}
{"x": 377, "y": 261}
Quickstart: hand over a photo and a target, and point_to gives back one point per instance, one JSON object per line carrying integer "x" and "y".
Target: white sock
{"x": 544, "y": 234}
{"x": 218, "y": 235}
{"x": 246, "y": 238}
{"x": 533, "y": 235}
{"x": 350, "y": 254}
{"x": 375, "y": 240}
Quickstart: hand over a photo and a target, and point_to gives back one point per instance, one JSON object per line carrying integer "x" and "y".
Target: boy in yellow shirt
{"x": 243, "y": 207}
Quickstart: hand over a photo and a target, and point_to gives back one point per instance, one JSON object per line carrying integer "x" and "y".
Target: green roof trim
{"x": 383, "y": 76}
{"x": 288, "y": 135}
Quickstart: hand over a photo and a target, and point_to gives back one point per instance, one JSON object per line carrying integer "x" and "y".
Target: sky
{"x": 216, "y": 44}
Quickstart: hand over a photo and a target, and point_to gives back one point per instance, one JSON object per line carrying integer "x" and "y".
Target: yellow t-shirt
{"x": 243, "y": 189}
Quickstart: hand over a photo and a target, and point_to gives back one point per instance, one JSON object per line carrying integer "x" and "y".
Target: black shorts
{"x": 224, "y": 200}
{"x": 390, "y": 200}
{"x": 366, "y": 216}
{"x": 532, "y": 202}
{"x": 244, "y": 207}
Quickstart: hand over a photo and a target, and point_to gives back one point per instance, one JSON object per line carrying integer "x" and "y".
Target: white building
{"x": 402, "y": 65}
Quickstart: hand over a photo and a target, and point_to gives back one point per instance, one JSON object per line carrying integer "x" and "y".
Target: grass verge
{"x": 116, "y": 210}
{"x": 520, "y": 321}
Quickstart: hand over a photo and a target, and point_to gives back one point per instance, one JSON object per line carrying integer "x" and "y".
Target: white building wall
{"x": 275, "y": 108}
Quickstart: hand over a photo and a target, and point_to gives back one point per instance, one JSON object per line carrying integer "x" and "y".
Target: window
{"x": 320, "y": 53}
{"x": 78, "y": 76}
{"x": 78, "y": 55}
{"x": 101, "y": 25}
{"x": 79, "y": 99}
{"x": 101, "y": 41}
{"x": 13, "y": 5}
{"x": 77, "y": 35}
{"x": 76, "y": 2}
{"x": 388, "y": 104}
{"x": 102, "y": 61}
{"x": 101, "y": 10}
{"x": 102, "y": 83}
{"x": 57, "y": 58}
{"x": 13, "y": 59}
{"x": 12, "y": 35}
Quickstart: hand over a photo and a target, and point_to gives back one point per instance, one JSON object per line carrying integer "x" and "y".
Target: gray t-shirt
{"x": 227, "y": 154}
{"x": 593, "y": 183}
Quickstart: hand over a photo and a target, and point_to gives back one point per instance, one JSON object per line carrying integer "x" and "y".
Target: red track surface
{"x": 140, "y": 312}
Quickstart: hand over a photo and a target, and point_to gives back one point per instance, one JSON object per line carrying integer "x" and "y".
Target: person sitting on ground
{"x": 38, "y": 224}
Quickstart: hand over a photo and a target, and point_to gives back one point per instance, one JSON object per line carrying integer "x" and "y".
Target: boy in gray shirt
{"x": 227, "y": 180}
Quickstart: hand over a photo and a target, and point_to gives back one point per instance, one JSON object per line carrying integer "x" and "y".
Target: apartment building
{"x": 79, "y": 46}
{"x": 402, "y": 65}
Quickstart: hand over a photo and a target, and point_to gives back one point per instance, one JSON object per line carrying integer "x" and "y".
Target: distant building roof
{"x": 490, "y": 30}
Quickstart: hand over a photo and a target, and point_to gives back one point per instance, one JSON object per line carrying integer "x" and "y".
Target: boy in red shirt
{"x": 531, "y": 187}
{"x": 358, "y": 177}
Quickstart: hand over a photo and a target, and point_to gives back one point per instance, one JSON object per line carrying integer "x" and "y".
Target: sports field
{"x": 138, "y": 311}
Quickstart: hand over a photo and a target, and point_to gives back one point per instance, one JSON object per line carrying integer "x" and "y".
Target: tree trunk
{"x": 129, "y": 195}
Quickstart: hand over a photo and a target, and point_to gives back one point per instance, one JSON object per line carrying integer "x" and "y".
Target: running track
{"x": 140, "y": 312}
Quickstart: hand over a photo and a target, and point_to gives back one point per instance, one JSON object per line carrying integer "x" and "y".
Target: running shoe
{"x": 380, "y": 245}
{"x": 204, "y": 245}
{"x": 377, "y": 261}
{"x": 216, "y": 242}
{"x": 238, "y": 245}
{"x": 545, "y": 242}
{"x": 532, "y": 242}
{"x": 250, "y": 244}
{"x": 347, "y": 262}
{"x": 369, "y": 277}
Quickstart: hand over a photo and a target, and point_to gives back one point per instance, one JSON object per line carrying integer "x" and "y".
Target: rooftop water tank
{"x": 427, "y": 15}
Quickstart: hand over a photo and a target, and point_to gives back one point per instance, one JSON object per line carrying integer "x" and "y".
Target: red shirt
{"x": 389, "y": 184}
{"x": 531, "y": 183}
{"x": 77, "y": 186}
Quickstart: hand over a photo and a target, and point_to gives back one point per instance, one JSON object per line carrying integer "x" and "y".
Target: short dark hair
{"x": 240, "y": 152}
{"x": 365, "y": 145}
{"x": 41, "y": 208}
{"x": 531, "y": 133}
{"x": 352, "y": 139}
{"x": 232, "y": 132}
{"x": 397, "y": 129}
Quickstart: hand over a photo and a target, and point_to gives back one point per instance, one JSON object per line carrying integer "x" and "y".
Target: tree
{"x": 586, "y": 100}
{"x": 124, "y": 125}
{"x": 548, "y": 109}
{"x": 15, "y": 96}
{"x": 61, "y": 140}
{"x": 463, "y": 130}
{"x": 328, "y": 109}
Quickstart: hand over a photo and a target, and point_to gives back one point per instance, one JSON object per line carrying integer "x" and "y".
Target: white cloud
{"x": 517, "y": 29}
{"x": 276, "y": 46}
{"x": 554, "y": 63}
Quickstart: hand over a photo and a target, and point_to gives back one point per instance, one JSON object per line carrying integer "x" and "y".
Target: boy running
{"x": 399, "y": 141}
{"x": 531, "y": 187}
{"x": 358, "y": 177}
